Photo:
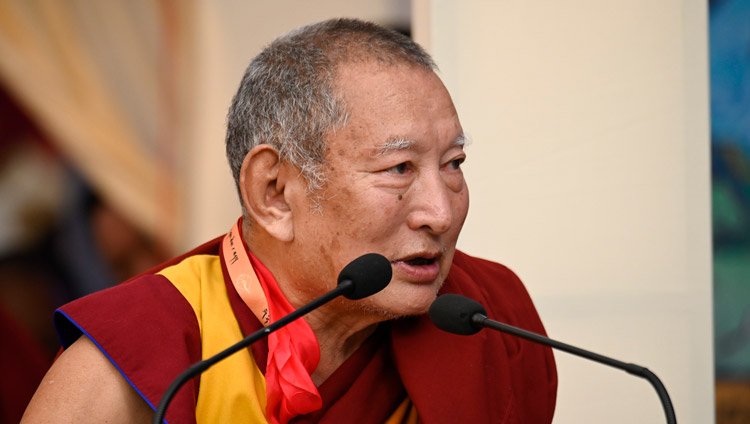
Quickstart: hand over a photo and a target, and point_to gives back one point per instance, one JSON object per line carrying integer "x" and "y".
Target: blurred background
{"x": 598, "y": 153}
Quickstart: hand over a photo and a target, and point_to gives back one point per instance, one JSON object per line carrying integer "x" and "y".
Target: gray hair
{"x": 286, "y": 98}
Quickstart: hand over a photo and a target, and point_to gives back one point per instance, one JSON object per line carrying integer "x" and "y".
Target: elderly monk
{"x": 342, "y": 141}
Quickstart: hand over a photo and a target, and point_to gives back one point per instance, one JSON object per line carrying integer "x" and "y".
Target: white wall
{"x": 589, "y": 176}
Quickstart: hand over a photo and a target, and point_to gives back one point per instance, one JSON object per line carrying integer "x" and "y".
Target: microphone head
{"x": 368, "y": 273}
{"x": 453, "y": 313}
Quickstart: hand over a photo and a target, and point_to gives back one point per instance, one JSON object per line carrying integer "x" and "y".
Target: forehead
{"x": 397, "y": 104}
{"x": 372, "y": 84}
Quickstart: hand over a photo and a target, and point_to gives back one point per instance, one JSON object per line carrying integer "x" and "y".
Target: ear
{"x": 263, "y": 182}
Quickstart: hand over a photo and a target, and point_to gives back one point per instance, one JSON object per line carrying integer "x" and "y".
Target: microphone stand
{"x": 481, "y": 320}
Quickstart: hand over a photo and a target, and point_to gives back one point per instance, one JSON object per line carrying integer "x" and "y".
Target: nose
{"x": 431, "y": 208}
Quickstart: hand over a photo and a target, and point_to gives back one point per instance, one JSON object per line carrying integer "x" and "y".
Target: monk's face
{"x": 394, "y": 186}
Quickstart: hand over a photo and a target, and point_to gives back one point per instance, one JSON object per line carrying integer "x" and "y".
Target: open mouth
{"x": 420, "y": 261}
{"x": 419, "y": 269}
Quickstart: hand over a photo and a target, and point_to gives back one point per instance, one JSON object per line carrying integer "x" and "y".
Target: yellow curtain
{"x": 103, "y": 79}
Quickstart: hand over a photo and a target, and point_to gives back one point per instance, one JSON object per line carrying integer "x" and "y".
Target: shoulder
{"x": 145, "y": 329}
{"x": 137, "y": 304}
{"x": 532, "y": 366}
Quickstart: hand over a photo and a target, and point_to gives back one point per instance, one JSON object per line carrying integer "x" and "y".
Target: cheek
{"x": 391, "y": 206}
{"x": 375, "y": 217}
{"x": 351, "y": 215}
{"x": 461, "y": 206}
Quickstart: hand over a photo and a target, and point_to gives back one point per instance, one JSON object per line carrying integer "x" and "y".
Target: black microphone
{"x": 460, "y": 315}
{"x": 362, "y": 277}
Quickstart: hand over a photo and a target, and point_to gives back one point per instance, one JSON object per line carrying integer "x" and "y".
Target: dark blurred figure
{"x": 58, "y": 241}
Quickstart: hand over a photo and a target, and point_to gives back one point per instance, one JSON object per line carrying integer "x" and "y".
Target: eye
{"x": 400, "y": 169}
{"x": 455, "y": 164}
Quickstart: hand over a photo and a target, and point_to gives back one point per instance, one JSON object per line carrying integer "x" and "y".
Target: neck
{"x": 339, "y": 327}
{"x": 338, "y": 339}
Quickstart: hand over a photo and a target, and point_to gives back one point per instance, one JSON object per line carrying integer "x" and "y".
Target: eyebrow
{"x": 461, "y": 141}
{"x": 402, "y": 143}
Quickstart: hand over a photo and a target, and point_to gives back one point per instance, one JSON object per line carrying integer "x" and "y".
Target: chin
{"x": 399, "y": 301}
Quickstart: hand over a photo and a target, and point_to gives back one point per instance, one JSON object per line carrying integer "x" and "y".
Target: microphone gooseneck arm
{"x": 480, "y": 320}
{"x": 202, "y": 366}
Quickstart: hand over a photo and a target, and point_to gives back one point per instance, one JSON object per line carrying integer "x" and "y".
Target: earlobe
{"x": 263, "y": 185}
